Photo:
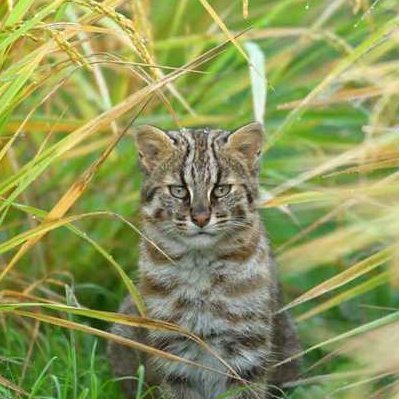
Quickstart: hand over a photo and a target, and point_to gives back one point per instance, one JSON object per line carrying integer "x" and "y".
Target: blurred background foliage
{"x": 73, "y": 75}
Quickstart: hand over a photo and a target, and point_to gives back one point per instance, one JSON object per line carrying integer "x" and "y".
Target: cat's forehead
{"x": 200, "y": 158}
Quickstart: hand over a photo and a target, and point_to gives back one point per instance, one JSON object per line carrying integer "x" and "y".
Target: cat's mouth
{"x": 200, "y": 239}
{"x": 202, "y": 233}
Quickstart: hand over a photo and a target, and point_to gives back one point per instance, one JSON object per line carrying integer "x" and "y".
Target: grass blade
{"x": 257, "y": 74}
{"x": 355, "y": 271}
{"x": 223, "y": 27}
{"x": 13, "y": 387}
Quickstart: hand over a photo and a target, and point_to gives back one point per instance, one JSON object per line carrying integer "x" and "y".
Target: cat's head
{"x": 200, "y": 185}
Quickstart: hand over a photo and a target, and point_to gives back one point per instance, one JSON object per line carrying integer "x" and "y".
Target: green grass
{"x": 74, "y": 74}
{"x": 64, "y": 365}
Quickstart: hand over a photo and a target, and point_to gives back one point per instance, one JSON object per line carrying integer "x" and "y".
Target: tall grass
{"x": 74, "y": 76}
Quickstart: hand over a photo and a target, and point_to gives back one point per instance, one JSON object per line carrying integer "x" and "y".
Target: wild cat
{"x": 218, "y": 280}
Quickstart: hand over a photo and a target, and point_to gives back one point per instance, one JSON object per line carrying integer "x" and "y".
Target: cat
{"x": 211, "y": 271}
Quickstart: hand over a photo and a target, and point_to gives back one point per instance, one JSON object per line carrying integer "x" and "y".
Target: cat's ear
{"x": 246, "y": 143}
{"x": 153, "y": 145}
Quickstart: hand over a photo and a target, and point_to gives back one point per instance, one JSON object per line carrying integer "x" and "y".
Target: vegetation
{"x": 75, "y": 75}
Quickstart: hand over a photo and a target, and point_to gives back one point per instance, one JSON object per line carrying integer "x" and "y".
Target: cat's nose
{"x": 201, "y": 217}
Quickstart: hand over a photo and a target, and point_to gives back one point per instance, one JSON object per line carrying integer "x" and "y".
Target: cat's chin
{"x": 199, "y": 240}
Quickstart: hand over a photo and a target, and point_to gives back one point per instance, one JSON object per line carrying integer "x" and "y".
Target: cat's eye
{"x": 178, "y": 191}
{"x": 222, "y": 190}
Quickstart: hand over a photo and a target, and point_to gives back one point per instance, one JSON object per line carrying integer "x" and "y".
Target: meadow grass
{"x": 76, "y": 76}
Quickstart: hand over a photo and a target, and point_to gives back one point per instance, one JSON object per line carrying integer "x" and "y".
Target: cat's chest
{"x": 226, "y": 304}
{"x": 193, "y": 292}
{"x": 207, "y": 296}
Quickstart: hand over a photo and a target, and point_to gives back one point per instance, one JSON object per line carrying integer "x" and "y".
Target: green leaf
{"x": 257, "y": 72}
{"x": 18, "y": 12}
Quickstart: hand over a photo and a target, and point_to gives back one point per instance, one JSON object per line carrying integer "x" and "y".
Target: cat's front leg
{"x": 255, "y": 386}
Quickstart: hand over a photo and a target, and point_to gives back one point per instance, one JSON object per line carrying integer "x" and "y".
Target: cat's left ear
{"x": 246, "y": 143}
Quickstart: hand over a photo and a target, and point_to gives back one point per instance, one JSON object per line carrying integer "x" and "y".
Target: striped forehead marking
{"x": 200, "y": 166}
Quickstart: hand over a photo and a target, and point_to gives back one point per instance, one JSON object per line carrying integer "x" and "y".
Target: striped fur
{"x": 199, "y": 207}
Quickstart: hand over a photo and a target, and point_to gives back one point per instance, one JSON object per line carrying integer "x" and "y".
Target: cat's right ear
{"x": 153, "y": 145}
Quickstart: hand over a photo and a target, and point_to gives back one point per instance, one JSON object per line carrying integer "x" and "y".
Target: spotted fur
{"x": 211, "y": 271}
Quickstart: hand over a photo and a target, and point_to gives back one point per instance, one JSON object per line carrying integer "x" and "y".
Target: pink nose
{"x": 201, "y": 219}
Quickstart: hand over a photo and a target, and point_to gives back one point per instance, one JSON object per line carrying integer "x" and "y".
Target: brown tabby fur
{"x": 199, "y": 206}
